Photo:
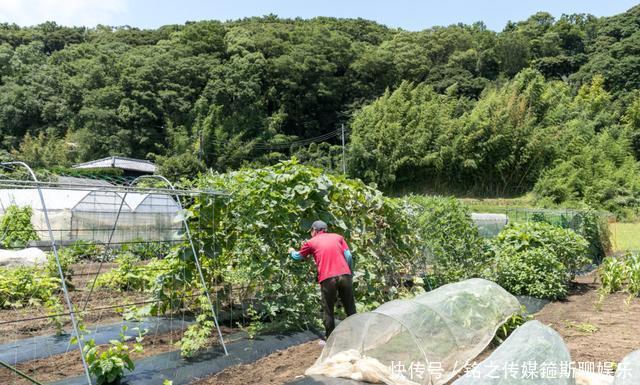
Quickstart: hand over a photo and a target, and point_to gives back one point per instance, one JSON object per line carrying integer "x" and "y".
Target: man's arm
{"x": 302, "y": 254}
{"x": 295, "y": 255}
{"x": 347, "y": 253}
{"x": 349, "y": 258}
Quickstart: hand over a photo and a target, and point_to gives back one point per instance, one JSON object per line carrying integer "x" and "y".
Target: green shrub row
{"x": 536, "y": 259}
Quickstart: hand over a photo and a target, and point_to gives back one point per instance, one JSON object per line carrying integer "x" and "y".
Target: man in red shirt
{"x": 333, "y": 260}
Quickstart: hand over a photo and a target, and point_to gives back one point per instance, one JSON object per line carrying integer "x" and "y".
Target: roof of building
{"x": 120, "y": 162}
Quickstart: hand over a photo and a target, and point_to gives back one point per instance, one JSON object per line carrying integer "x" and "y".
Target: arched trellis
{"x": 169, "y": 190}
{"x": 54, "y": 248}
{"x": 191, "y": 244}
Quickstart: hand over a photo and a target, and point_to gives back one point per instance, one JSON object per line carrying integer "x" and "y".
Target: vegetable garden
{"x": 163, "y": 308}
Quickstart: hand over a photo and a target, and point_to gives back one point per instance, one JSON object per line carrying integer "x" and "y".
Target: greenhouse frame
{"x": 90, "y": 214}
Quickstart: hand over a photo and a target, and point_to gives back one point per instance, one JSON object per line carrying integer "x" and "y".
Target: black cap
{"x": 319, "y": 226}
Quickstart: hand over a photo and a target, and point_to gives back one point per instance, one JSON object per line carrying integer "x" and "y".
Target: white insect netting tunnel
{"x": 534, "y": 354}
{"x": 628, "y": 372}
{"x": 438, "y": 332}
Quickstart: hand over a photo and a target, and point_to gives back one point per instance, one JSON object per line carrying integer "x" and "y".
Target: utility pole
{"x": 344, "y": 164}
{"x": 200, "y": 149}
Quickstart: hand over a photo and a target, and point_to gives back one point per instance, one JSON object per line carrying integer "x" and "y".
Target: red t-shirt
{"x": 328, "y": 253}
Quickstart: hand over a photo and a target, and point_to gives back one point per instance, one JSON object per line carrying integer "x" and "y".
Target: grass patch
{"x": 583, "y": 327}
{"x": 497, "y": 205}
{"x": 507, "y": 206}
{"x": 625, "y": 236}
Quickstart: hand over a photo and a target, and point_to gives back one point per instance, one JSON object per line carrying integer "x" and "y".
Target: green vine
{"x": 16, "y": 229}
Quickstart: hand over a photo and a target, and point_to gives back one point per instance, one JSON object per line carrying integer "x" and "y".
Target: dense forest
{"x": 549, "y": 105}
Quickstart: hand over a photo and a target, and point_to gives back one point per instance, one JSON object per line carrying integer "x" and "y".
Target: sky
{"x": 410, "y": 15}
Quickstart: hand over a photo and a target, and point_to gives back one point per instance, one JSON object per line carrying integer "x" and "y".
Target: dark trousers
{"x": 331, "y": 288}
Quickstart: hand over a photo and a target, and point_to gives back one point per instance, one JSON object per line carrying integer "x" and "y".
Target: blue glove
{"x": 349, "y": 258}
{"x": 296, "y": 256}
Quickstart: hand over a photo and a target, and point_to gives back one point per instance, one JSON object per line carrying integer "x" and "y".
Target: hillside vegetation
{"x": 546, "y": 105}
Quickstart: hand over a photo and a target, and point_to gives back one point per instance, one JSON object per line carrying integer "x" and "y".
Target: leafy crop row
{"x": 536, "y": 259}
{"x": 620, "y": 274}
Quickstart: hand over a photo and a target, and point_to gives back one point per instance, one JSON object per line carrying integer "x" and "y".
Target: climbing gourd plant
{"x": 16, "y": 229}
{"x": 270, "y": 209}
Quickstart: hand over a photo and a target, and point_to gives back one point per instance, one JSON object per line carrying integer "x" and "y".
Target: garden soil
{"x": 616, "y": 334}
{"x": 617, "y": 331}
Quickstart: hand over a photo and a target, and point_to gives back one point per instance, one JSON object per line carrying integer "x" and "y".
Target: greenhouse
{"x": 91, "y": 214}
{"x": 437, "y": 331}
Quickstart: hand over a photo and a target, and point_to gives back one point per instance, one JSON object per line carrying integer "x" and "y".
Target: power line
{"x": 284, "y": 146}
{"x": 302, "y": 142}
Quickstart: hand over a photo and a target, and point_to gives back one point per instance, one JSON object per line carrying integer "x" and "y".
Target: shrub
{"x": 16, "y": 228}
{"x": 536, "y": 272}
{"x": 537, "y": 259}
{"x": 451, "y": 240}
{"x": 570, "y": 248}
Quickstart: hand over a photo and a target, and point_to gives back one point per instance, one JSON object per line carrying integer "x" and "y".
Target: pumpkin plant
{"x": 109, "y": 364}
{"x": 270, "y": 209}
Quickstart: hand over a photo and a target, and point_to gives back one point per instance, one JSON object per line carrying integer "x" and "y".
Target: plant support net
{"x": 423, "y": 340}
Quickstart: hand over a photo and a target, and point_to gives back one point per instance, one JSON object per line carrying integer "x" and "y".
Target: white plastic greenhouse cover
{"x": 435, "y": 332}
{"x": 90, "y": 214}
{"x": 628, "y": 371}
{"x": 533, "y": 354}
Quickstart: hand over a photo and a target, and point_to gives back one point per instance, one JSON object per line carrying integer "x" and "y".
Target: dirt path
{"x": 592, "y": 335}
